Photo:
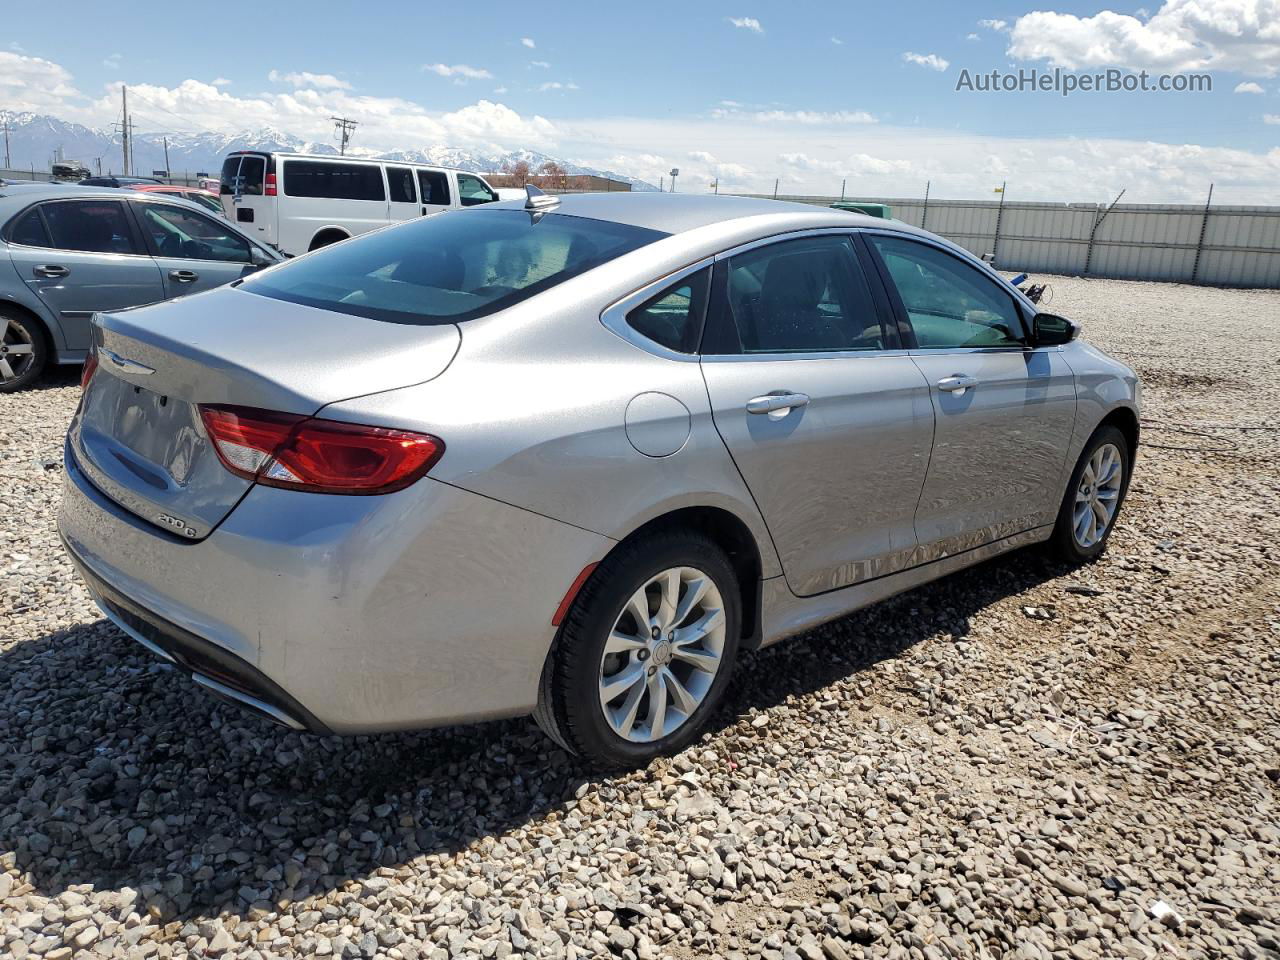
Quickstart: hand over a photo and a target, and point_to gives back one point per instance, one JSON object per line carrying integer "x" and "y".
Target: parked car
{"x": 68, "y": 251}
{"x": 68, "y": 170}
{"x": 128, "y": 183}
{"x": 205, "y": 198}
{"x": 571, "y": 458}
{"x": 299, "y": 202}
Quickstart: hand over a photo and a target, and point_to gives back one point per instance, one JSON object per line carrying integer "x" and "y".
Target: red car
{"x": 206, "y": 198}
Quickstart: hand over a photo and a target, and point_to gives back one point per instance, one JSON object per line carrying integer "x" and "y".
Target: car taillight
{"x": 90, "y": 365}
{"x": 269, "y": 187}
{"x": 319, "y": 456}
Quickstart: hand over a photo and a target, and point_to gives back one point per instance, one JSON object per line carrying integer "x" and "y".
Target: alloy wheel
{"x": 17, "y": 351}
{"x": 1098, "y": 495}
{"x": 662, "y": 655}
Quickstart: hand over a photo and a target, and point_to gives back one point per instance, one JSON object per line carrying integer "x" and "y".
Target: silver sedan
{"x": 573, "y": 458}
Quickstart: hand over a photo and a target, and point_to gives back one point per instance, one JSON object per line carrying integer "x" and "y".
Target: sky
{"x": 810, "y": 94}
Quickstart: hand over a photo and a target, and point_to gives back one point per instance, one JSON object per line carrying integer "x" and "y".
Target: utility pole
{"x": 843, "y": 183}
{"x": 124, "y": 125}
{"x": 343, "y": 128}
{"x": 7, "y": 162}
{"x": 924, "y": 214}
{"x": 166, "y": 159}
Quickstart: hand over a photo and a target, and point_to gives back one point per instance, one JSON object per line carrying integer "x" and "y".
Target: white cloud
{"x": 1237, "y": 35}
{"x": 557, "y": 85}
{"x": 929, "y": 60}
{"x": 997, "y": 25}
{"x": 1271, "y": 118}
{"x": 112, "y": 62}
{"x": 16, "y": 47}
{"x": 222, "y": 82}
{"x": 540, "y": 64}
{"x": 314, "y": 81}
{"x": 528, "y": 42}
{"x": 837, "y": 41}
{"x": 808, "y": 118}
{"x": 33, "y": 83}
{"x": 746, "y": 23}
{"x": 458, "y": 71}
{"x": 973, "y": 36}
{"x": 858, "y": 164}
{"x": 499, "y": 90}
{"x": 731, "y": 104}
{"x": 1248, "y": 87}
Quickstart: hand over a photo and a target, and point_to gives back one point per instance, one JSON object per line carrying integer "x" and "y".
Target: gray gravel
{"x": 1020, "y": 761}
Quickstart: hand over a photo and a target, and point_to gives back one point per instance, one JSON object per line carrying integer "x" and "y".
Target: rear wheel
{"x": 645, "y": 652}
{"x": 1093, "y": 498}
{"x": 23, "y": 351}
{"x": 326, "y": 238}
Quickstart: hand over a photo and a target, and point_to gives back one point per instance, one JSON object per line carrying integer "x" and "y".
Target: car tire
{"x": 20, "y": 332}
{"x": 674, "y": 686}
{"x": 1080, "y": 533}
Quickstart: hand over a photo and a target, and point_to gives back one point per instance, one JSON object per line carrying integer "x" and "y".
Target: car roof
{"x": 680, "y": 212}
{"x": 15, "y": 195}
{"x": 326, "y": 158}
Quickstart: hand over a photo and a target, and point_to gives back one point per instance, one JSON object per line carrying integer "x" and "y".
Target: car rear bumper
{"x": 340, "y": 614}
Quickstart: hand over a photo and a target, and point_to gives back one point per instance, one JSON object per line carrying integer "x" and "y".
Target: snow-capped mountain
{"x": 36, "y": 140}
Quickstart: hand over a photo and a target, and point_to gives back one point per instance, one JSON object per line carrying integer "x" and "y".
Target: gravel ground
{"x": 1019, "y": 761}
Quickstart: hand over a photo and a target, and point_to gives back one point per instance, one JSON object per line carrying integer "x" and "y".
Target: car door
{"x": 402, "y": 194}
{"x": 194, "y": 251}
{"x": 436, "y": 192}
{"x": 82, "y": 256}
{"x": 1004, "y": 411}
{"x": 828, "y": 421}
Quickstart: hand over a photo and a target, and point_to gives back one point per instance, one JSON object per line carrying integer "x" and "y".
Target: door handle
{"x": 184, "y": 276}
{"x": 776, "y": 405}
{"x": 50, "y": 270}
{"x": 957, "y": 383}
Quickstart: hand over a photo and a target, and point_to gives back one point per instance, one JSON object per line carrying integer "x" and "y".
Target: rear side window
{"x": 29, "y": 230}
{"x": 94, "y": 226}
{"x": 802, "y": 296}
{"x": 435, "y": 187}
{"x": 451, "y": 267}
{"x": 673, "y": 318}
{"x": 230, "y": 170}
{"x": 400, "y": 180}
{"x": 333, "y": 181}
{"x": 252, "y": 171}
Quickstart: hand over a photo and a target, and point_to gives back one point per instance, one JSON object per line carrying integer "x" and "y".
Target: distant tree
{"x": 519, "y": 171}
{"x": 557, "y": 176}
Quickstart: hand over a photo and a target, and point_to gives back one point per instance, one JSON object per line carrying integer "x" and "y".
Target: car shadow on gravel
{"x": 116, "y": 771}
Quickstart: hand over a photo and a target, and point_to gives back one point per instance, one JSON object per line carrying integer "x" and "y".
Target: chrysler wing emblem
{"x": 127, "y": 365}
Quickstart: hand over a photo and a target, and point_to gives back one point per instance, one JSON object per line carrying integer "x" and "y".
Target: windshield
{"x": 451, "y": 266}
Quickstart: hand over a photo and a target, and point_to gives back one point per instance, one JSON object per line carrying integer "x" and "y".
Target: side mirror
{"x": 1051, "y": 330}
{"x": 259, "y": 257}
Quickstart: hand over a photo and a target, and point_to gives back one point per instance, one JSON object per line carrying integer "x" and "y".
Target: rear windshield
{"x": 451, "y": 266}
{"x": 243, "y": 172}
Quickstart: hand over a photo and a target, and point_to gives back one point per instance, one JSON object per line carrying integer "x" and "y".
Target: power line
{"x": 343, "y": 128}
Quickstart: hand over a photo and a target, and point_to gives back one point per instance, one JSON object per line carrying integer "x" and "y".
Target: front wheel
{"x": 1093, "y": 498}
{"x": 23, "y": 352}
{"x": 645, "y": 652}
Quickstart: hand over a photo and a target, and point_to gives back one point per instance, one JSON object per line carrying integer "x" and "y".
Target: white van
{"x": 298, "y": 202}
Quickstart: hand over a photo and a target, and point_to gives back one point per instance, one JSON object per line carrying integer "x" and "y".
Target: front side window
{"x": 29, "y": 230}
{"x": 673, "y": 318}
{"x": 802, "y": 296}
{"x": 435, "y": 187}
{"x": 400, "y": 180}
{"x": 333, "y": 181}
{"x": 473, "y": 190}
{"x": 186, "y": 235}
{"x": 94, "y": 226}
{"x": 450, "y": 267}
{"x": 950, "y": 304}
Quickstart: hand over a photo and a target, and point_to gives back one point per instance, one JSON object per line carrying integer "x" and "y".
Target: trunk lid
{"x": 138, "y": 435}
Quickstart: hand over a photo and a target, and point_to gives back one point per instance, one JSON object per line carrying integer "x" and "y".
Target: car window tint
{"x": 450, "y": 267}
{"x": 802, "y": 296}
{"x": 673, "y": 318}
{"x": 950, "y": 303}
{"x": 435, "y": 186}
{"x": 333, "y": 181}
{"x": 29, "y": 230}
{"x": 230, "y": 170}
{"x": 400, "y": 180}
{"x": 95, "y": 226}
{"x": 252, "y": 171}
{"x": 186, "y": 235}
{"x": 473, "y": 190}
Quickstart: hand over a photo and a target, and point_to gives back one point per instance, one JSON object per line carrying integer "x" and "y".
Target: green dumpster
{"x": 881, "y": 210}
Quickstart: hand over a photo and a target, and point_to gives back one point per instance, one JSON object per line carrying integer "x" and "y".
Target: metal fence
{"x": 1229, "y": 246}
